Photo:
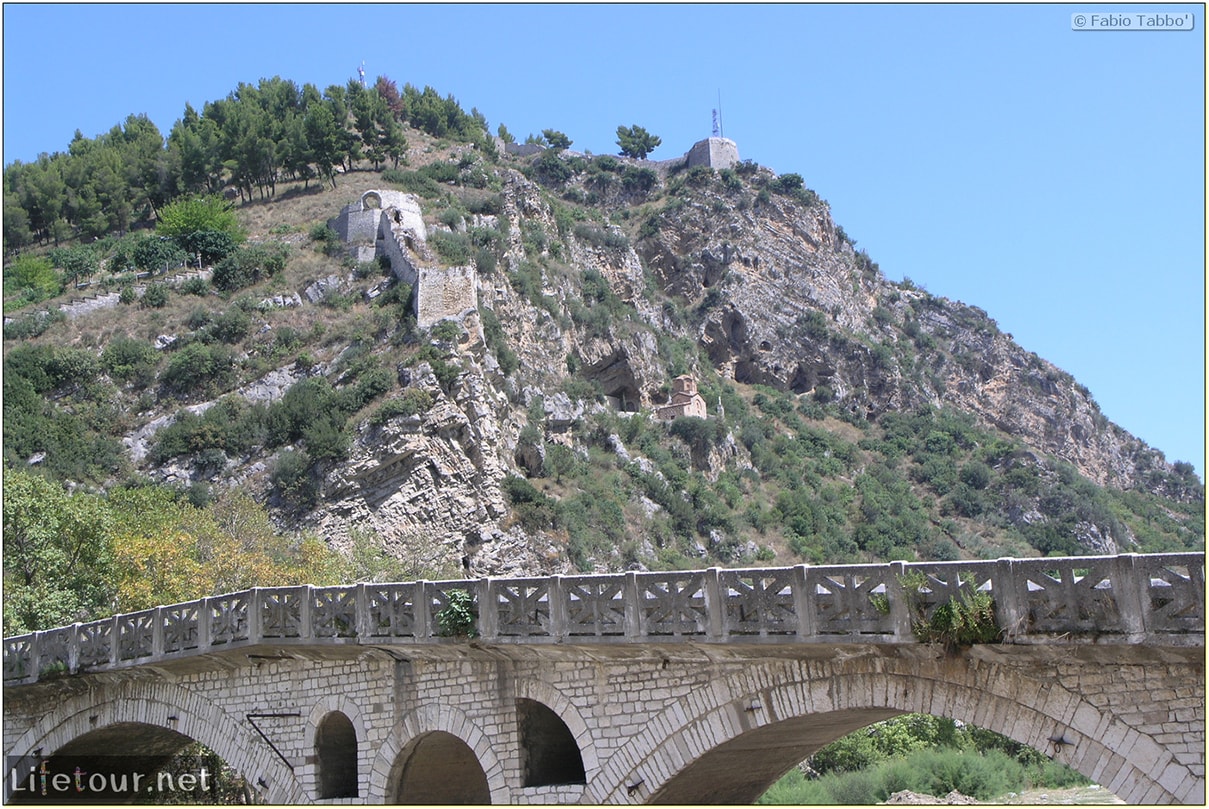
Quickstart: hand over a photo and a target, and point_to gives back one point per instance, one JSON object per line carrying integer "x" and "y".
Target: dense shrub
{"x": 533, "y": 509}
{"x": 157, "y": 253}
{"x": 231, "y": 326}
{"x": 639, "y": 179}
{"x": 551, "y": 169}
{"x": 292, "y": 479}
{"x": 601, "y": 237}
{"x": 453, "y": 248}
{"x": 696, "y": 432}
{"x": 413, "y": 182}
{"x": 199, "y": 368}
{"x": 492, "y": 204}
{"x": 493, "y": 334}
{"x": 130, "y": 360}
{"x": 33, "y": 324}
{"x": 33, "y": 277}
{"x": 249, "y": 265}
{"x": 155, "y": 296}
{"x": 231, "y": 426}
{"x": 441, "y": 172}
{"x": 209, "y": 245}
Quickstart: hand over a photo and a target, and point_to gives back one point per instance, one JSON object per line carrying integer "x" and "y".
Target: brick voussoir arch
{"x": 1046, "y": 716}
{"x": 429, "y": 718}
{"x": 167, "y": 706}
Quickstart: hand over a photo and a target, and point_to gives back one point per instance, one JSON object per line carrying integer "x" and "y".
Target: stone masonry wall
{"x": 717, "y": 153}
{"x": 392, "y": 244}
{"x": 651, "y": 722}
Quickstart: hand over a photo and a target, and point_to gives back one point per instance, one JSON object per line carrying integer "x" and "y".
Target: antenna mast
{"x": 718, "y": 121}
{"x": 361, "y": 72}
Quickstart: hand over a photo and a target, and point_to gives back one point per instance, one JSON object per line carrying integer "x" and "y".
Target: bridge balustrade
{"x": 1127, "y": 598}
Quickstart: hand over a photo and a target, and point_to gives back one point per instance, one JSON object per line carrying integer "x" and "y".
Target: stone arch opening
{"x": 674, "y": 759}
{"x": 165, "y": 715}
{"x": 549, "y": 754}
{"x": 439, "y": 768}
{"x": 742, "y": 769}
{"x": 336, "y": 757}
{"x": 126, "y": 762}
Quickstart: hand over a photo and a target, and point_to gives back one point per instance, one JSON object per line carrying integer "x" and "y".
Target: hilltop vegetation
{"x": 850, "y": 419}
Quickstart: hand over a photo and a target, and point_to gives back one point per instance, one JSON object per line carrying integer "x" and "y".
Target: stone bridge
{"x": 670, "y": 687}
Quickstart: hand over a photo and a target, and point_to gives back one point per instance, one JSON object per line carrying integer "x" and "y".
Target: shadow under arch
{"x": 396, "y": 759}
{"x": 336, "y": 756}
{"x": 566, "y": 711}
{"x": 117, "y": 763}
{"x": 152, "y": 721}
{"x": 738, "y": 739}
{"x": 438, "y": 768}
{"x": 549, "y": 753}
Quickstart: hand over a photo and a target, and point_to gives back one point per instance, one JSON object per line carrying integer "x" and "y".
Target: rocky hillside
{"x": 849, "y": 418}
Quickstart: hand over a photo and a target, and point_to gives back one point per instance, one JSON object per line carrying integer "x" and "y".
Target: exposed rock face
{"x": 768, "y": 288}
{"x": 791, "y": 305}
{"x": 434, "y": 476}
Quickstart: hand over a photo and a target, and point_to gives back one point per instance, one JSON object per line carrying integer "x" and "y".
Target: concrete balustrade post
{"x": 361, "y": 611}
{"x": 115, "y": 641}
{"x": 489, "y": 608}
{"x": 35, "y": 657}
{"x": 557, "y": 594}
{"x": 306, "y": 611}
{"x": 1131, "y": 591}
{"x": 633, "y": 608}
{"x": 157, "y": 633}
{"x": 73, "y": 649}
{"x": 898, "y": 599}
{"x": 714, "y": 608}
{"x": 1009, "y": 589}
{"x": 421, "y": 603}
{"x": 203, "y": 624}
{"x": 803, "y": 602}
{"x": 255, "y": 615}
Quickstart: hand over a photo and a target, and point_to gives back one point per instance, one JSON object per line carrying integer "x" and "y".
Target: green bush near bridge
{"x": 921, "y": 753}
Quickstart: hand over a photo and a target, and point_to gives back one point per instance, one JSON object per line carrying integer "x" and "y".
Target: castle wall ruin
{"x": 391, "y": 224}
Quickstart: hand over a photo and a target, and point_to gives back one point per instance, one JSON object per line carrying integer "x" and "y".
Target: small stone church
{"x": 685, "y": 400}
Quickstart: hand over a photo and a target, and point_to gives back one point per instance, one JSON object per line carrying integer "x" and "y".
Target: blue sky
{"x": 1054, "y": 178}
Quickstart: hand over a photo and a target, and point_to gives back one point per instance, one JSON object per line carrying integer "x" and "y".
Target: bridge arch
{"x": 166, "y": 711}
{"x": 727, "y": 744}
{"x": 335, "y": 731}
{"x": 430, "y": 733}
{"x": 565, "y": 710}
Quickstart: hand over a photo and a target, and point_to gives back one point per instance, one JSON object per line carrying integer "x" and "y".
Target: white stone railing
{"x": 1135, "y": 599}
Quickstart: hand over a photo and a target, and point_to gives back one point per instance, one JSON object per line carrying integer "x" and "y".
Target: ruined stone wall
{"x": 359, "y": 221}
{"x": 392, "y": 243}
{"x": 355, "y": 224}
